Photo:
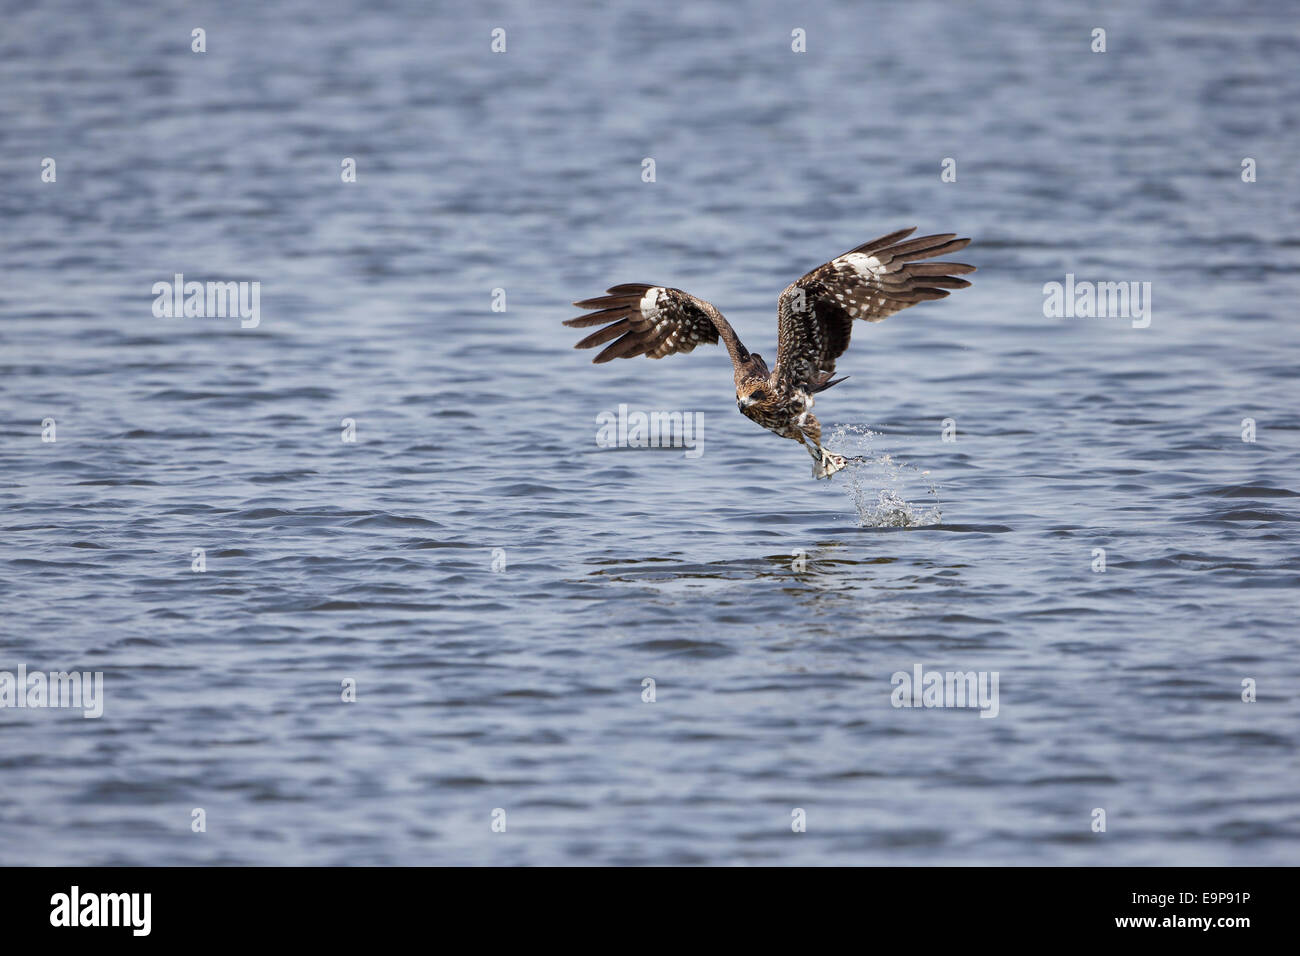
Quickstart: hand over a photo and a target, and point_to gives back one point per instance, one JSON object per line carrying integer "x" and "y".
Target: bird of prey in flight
{"x": 815, "y": 318}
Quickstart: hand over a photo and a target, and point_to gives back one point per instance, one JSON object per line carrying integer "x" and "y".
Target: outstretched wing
{"x": 871, "y": 282}
{"x": 653, "y": 321}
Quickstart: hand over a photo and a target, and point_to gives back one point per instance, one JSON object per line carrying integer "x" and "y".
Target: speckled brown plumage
{"x": 815, "y": 316}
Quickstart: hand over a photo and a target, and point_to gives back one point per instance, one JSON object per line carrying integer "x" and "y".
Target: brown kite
{"x": 814, "y": 321}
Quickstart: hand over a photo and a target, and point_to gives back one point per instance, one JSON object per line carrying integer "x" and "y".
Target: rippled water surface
{"x": 770, "y": 610}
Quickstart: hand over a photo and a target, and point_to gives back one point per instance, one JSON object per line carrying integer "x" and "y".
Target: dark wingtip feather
{"x": 923, "y": 247}
{"x": 937, "y": 269}
{"x": 630, "y": 345}
{"x": 881, "y": 241}
{"x": 597, "y": 318}
{"x": 601, "y": 336}
{"x": 606, "y": 302}
{"x": 630, "y": 288}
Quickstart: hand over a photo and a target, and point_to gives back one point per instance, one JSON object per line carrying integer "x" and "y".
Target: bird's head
{"x": 750, "y": 393}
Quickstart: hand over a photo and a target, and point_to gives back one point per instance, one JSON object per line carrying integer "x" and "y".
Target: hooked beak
{"x": 743, "y": 402}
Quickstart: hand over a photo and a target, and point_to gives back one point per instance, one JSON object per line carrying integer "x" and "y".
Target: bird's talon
{"x": 828, "y": 464}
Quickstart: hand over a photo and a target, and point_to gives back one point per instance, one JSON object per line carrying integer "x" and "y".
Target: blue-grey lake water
{"x": 1107, "y": 533}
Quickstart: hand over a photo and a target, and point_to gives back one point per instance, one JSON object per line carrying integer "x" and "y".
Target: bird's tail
{"x": 824, "y": 381}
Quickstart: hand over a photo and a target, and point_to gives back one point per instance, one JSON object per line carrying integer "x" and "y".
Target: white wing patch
{"x": 864, "y": 265}
{"x": 650, "y": 302}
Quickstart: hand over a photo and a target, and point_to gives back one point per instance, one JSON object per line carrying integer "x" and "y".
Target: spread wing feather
{"x": 653, "y": 321}
{"x": 870, "y": 282}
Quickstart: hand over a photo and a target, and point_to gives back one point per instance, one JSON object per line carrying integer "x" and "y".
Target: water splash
{"x": 881, "y": 488}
